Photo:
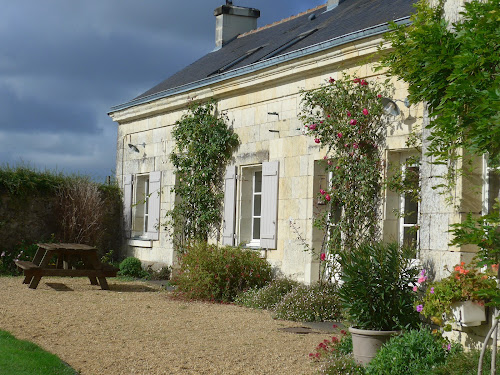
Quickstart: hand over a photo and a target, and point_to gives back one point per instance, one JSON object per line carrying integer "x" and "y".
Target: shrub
{"x": 268, "y": 296}
{"x": 377, "y": 293}
{"x": 465, "y": 363}
{"x": 132, "y": 267}
{"x": 414, "y": 352}
{"x": 336, "y": 356}
{"x": 214, "y": 273}
{"x": 23, "y": 251}
{"x": 161, "y": 274}
{"x": 341, "y": 364}
{"x": 313, "y": 303}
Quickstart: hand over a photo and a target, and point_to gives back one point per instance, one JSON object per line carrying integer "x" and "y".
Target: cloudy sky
{"x": 64, "y": 63}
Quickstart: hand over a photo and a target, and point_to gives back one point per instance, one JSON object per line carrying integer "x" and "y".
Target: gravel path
{"x": 134, "y": 328}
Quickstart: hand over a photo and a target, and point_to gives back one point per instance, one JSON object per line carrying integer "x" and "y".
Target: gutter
{"x": 337, "y": 41}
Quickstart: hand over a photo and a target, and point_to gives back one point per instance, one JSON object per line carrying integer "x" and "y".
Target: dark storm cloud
{"x": 63, "y": 64}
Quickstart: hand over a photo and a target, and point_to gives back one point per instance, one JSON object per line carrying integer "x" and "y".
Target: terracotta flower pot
{"x": 366, "y": 343}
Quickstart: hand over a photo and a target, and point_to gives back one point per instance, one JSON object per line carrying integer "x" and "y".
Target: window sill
{"x": 140, "y": 243}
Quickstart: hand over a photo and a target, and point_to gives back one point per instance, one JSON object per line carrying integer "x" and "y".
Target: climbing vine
{"x": 204, "y": 145}
{"x": 346, "y": 117}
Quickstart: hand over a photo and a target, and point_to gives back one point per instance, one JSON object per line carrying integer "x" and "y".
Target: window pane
{"x": 409, "y": 236}
{"x": 256, "y": 229}
{"x": 256, "y": 205}
{"x": 411, "y": 211}
{"x": 258, "y": 182}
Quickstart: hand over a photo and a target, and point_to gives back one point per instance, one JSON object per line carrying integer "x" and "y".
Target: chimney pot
{"x": 232, "y": 20}
{"x": 332, "y": 4}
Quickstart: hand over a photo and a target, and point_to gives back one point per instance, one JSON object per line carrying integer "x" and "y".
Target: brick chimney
{"x": 232, "y": 20}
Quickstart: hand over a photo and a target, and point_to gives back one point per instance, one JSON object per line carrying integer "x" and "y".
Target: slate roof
{"x": 280, "y": 39}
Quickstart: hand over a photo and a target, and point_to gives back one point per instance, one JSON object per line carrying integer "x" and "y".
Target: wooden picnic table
{"x": 66, "y": 254}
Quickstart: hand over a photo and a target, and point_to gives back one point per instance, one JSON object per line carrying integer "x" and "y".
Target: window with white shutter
{"x": 251, "y": 217}
{"x": 144, "y": 196}
{"x": 127, "y": 205}
{"x": 269, "y": 215}
{"x": 228, "y": 227}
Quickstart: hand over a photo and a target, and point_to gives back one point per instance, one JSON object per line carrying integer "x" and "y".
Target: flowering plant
{"x": 346, "y": 118}
{"x": 463, "y": 284}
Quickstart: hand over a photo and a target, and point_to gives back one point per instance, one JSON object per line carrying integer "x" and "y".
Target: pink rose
{"x": 379, "y": 96}
{"x": 365, "y": 111}
{"x": 331, "y": 80}
{"x": 356, "y": 80}
{"x": 353, "y": 122}
{"x": 327, "y": 197}
{"x": 355, "y": 145}
{"x": 348, "y": 113}
{"x": 339, "y": 135}
{"x": 363, "y": 83}
{"x": 415, "y": 288}
{"x": 330, "y": 162}
{"x": 420, "y": 308}
{"x": 317, "y": 140}
{"x": 322, "y": 256}
{"x": 322, "y": 192}
{"x": 312, "y": 126}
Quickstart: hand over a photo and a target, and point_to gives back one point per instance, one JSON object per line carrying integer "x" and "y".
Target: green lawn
{"x": 19, "y": 357}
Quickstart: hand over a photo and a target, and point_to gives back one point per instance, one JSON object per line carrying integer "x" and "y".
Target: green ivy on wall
{"x": 204, "y": 146}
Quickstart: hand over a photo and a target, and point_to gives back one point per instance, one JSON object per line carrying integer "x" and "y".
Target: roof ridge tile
{"x": 281, "y": 21}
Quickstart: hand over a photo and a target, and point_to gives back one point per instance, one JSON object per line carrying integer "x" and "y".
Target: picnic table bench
{"x": 66, "y": 255}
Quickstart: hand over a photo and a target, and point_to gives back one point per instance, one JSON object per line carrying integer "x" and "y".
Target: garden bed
{"x": 135, "y": 328}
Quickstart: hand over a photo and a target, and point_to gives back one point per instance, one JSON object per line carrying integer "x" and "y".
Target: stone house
{"x": 256, "y": 75}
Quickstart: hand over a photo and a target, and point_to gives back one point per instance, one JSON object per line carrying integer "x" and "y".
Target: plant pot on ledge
{"x": 367, "y": 342}
{"x": 468, "y": 313}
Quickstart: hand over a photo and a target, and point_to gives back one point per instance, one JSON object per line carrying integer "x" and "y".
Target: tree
{"x": 204, "y": 146}
{"x": 455, "y": 71}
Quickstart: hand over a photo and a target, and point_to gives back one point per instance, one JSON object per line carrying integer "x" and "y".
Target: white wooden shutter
{"x": 127, "y": 204}
{"x": 229, "y": 221}
{"x": 154, "y": 206}
{"x": 269, "y": 210}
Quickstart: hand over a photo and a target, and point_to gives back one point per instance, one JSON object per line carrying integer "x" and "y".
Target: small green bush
{"x": 341, "y": 364}
{"x": 132, "y": 267}
{"x": 161, "y": 274}
{"x": 309, "y": 303}
{"x": 415, "y": 352}
{"x": 268, "y": 296}
{"x": 465, "y": 363}
{"x": 214, "y": 273}
{"x": 23, "y": 251}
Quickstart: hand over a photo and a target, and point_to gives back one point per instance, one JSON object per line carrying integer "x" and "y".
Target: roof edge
{"x": 334, "y": 42}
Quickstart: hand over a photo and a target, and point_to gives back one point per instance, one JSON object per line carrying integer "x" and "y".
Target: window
{"x": 491, "y": 187}
{"x": 409, "y": 207}
{"x": 142, "y": 205}
{"x": 250, "y": 205}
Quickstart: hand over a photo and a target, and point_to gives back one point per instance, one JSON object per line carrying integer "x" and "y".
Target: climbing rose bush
{"x": 346, "y": 118}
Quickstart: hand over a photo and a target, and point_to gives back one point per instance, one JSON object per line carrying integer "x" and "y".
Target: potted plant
{"x": 377, "y": 295}
{"x": 456, "y": 298}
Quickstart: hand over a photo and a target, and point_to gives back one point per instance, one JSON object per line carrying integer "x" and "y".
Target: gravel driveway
{"x": 134, "y": 328}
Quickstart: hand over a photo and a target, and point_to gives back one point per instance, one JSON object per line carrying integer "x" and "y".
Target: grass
{"x": 19, "y": 357}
